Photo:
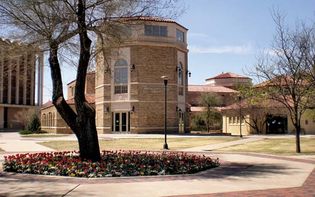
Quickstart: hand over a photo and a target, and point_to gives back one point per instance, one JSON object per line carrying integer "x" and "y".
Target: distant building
{"x": 226, "y": 96}
{"x": 229, "y": 80}
{"x": 18, "y": 64}
{"x": 51, "y": 121}
{"x": 266, "y": 117}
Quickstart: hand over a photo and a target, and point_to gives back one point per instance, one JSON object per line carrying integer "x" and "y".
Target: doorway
{"x": 181, "y": 125}
{"x": 5, "y": 118}
{"x": 121, "y": 122}
{"x": 276, "y": 124}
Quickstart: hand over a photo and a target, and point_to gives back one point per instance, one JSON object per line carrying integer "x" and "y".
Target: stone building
{"x": 229, "y": 80}
{"x": 267, "y": 117}
{"x": 129, "y": 92}
{"x": 51, "y": 120}
{"x": 18, "y": 64}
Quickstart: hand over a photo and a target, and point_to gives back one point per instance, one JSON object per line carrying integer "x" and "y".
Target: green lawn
{"x": 44, "y": 135}
{"x": 142, "y": 143}
{"x": 274, "y": 146}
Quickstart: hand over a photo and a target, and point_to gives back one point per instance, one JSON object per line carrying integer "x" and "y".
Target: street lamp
{"x": 240, "y": 100}
{"x": 165, "y": 78}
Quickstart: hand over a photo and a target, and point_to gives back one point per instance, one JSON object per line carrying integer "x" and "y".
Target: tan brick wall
{"x": 146, "y": 91}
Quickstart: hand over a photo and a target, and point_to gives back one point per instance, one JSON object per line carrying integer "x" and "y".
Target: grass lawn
{"x": 44, "y": 135}
{"x": 274, "y": 146}
{"x": 142, "y": 143}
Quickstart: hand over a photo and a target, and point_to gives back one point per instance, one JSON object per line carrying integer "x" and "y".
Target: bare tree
{"x": 253, "y": 104}
{"x": 57, "y": 26}
{"x": 211, "y": 115}
{"x": 286, "y": 71}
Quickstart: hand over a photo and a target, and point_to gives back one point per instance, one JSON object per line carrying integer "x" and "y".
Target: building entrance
{"x": 121, "y": 122}
{"x": 276, "y": 124}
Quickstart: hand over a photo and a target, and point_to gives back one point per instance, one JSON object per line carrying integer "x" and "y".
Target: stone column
{"x": 32, "y": 68}
{"x": 9, "y": 79}
{"x": 40, "y": 78}
{"x": 25, "y": 78}
{"x": 17, "y": 79}
{"x": 1, "y": 74}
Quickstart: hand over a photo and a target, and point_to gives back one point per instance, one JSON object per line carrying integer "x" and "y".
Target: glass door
{"x": 121, "y": 122}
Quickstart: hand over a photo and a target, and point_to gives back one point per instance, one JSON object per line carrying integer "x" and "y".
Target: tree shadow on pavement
{"x": 245, "y": 170}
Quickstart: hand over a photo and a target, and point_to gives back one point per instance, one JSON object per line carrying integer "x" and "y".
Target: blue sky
{"x": 229, "y": 35}
{"x": 225, "y": 35}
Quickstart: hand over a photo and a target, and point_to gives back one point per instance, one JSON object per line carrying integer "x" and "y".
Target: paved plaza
{"x": 239, "y": 175}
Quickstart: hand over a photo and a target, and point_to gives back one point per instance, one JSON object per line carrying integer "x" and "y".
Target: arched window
{"x": 44, "y": 120}
{"x": 53, "y": 120}
{"x": 180, "y": 79}
{"x": 121, "y": 76}
{"x": 49, "y": 119}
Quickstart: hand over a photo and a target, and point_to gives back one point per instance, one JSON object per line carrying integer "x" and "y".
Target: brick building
{"x": 18, "y": 64}
{"x": 229, "y": 80}
{"x": 51, "y": 120}
{"x": 129, "y": 90}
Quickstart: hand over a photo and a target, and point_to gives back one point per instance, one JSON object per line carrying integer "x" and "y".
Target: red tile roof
{"x": 89, "y": 99}
{"x": 228, "y": 75}
{"x": 207, "y": 88}
{"x": 268, "y": 103}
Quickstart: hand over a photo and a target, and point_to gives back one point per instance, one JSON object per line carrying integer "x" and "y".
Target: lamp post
{"x": 165, "y": 78}
{"x": 240, "y": 101}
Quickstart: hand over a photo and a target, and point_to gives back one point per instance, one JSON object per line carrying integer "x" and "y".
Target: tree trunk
{"x": 87, "y": 133}
{"x": 297, "y": 137}
{"x": 88, "y": 140}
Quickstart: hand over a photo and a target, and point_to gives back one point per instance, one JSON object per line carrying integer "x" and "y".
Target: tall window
{"x": 121, "y": 77}
{"x": 180, "y": 79}
{"x": 180, "y": 36}
{"x": 154, "y": 30}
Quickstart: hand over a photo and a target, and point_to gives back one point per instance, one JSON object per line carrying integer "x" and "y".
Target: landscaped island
{"x": 113, "y": 163}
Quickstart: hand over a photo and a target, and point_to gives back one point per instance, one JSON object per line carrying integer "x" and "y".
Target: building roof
{"x": 89, "y": 99}
{"x": 150, "y": 18}
{"x": 268, "y": 103}
{"x": 228, "y": 75}
{"x": 207, "y": 88}
{"x": 202, "y": 109}
{"x": 282, "y": 81}
{"x": 87, "y": 74}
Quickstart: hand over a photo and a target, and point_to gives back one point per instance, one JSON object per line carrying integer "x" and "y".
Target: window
{"x": 180, "y": 36}
{"x": 121, "y": 77}
{"x": 306, "y": 122}
{"x": 180, "y": 79}
{"x": 154, "y": 30}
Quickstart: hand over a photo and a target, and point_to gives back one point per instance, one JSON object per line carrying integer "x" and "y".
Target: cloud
{"x": 237, "y": 49}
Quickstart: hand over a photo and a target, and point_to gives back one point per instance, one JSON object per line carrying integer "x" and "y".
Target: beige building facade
{"x": 21, "y": 67}
{"x": 272, "y": 118}
{"x": 51, "y": 121}
{"x": 129, "y": 91}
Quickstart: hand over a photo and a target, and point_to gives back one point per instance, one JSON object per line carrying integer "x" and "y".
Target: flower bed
{"x": 113, "y": 163}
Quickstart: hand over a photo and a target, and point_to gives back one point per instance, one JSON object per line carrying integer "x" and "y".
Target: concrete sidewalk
{"x": 13, "y": 143}
{"x": 238, "y": 173}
